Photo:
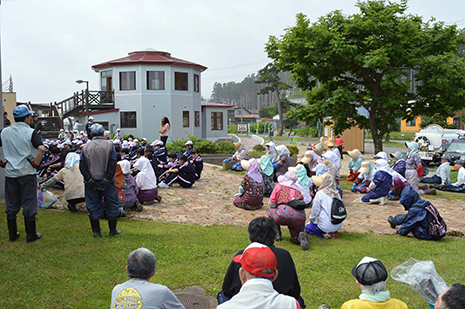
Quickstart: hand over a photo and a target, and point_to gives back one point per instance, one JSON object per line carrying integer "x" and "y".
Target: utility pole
{"x": 2, "y": 171}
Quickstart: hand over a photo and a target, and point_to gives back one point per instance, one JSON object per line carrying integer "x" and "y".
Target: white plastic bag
{"x": 48, "y": 199}
{"x": 422, "y": 277}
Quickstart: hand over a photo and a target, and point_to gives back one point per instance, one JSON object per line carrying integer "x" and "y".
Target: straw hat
{"x": 331, "y": 143}
{"x": 246, "y": 163}
{"x": 318, "y": 150}
{"x": 325, "y": 162}
{"x": 307, "y": 157}
{"x": 318, "y": 180}
{"x": 292, "y": 169}
{"x": 237, "y": 145}
{"x": 365, "y": 167}
{"x": 353, "y": 153}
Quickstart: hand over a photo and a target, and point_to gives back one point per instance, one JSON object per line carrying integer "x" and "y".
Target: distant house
{"x": 244, "y": 115}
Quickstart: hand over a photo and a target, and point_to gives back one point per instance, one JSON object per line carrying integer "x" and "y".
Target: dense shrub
{"x": 293, "y": 149}
{"x": 259, "y": 147}
{"x": 262, "y": 127}
{"x": 203, "y": 145}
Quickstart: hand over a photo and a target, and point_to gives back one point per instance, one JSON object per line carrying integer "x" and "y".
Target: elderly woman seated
{"x": 355, "y": 164}
{"x": 238, "y": 156}
{"x": 266, "y": 170}
{"x": 74, "y": 182}
{"x": 321, "y": 209}
{"x": 287, "y": 207}
{"x": 129, "y": 187}
{"x": 250, "y": 194}
{"x": 146, "y": 181}
{"x": 381, "y": 184}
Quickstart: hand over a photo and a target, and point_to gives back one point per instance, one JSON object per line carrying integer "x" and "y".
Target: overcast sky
{"x": 49, "y": 44}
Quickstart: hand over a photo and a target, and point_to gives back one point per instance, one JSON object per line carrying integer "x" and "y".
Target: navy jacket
{"x": 383, "y": 183}
{"x": 416, "y": 220}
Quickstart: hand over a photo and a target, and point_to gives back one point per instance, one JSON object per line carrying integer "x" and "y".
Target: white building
{"x": 149, "y": 85}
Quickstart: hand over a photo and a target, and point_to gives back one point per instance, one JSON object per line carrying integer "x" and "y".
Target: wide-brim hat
{"x": 318, "y": 180}
{"x": 246, "y": 163}
{"x": 353, "y": 153}
{"x": 292, "y": 169}
{"x": 188, "y": 143}
{"x": 307, "y": 158}
{"x": 237, "y": 145}
{"x": 318, "y": 150}
{"x": 365, "y": 167}
{"x": 331, "y": 143}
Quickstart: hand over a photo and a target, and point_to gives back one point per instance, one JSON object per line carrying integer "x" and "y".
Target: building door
{"x": 106, "y": 87}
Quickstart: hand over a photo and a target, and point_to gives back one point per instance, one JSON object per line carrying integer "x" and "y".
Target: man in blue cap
{"x": 98, "y": 167}
{"x": 23, "y": 151}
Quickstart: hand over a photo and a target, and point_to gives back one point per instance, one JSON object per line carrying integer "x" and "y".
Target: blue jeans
{"x": 452, "y": 188}
{"x": 435, "y": 180}
{"x": 95, "y": 200}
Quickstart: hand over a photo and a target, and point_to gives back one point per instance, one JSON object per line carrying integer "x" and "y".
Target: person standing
{"x": 36, "y": 125}
{"x": 164, "y": 129}
{"x": 98, "y": 167}
{"x": 88, "y": 126}
{"x": 340, "y": 145}
{"x": 23, "y": 151}
{"x": 6, "y": 121}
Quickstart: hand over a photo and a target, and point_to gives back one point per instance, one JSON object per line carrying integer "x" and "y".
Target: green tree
{"x": 269, "y": 75}
{"x": 391, "y": 63}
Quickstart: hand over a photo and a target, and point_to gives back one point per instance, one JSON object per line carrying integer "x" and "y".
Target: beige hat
{"x": 307, "y": 157}
{"x": 245, "y": 164}
{"x": 325, "y": 162}
{"x": 292, "y": 169}
{"x": 318, "y": 150}
{"x": 331, "y": 143}
{"x": 353, "y": 153}
{"x": 318, "y": 180}
{"x": 365, "y": 167}
{"x": 237, "y": 145}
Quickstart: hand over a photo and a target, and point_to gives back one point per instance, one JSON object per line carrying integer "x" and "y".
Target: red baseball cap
{"x": 257, "y": 257}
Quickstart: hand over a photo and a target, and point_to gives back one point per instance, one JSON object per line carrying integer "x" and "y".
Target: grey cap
{"x": 446, "y": 157}
{"x": 97, "y": 129}
{"x": 461, "y": 162}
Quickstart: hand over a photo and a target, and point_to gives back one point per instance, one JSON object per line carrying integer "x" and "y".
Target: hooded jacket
{"x": 416, "y": 220}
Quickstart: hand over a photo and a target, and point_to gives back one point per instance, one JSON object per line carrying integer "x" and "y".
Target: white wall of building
{"x": 215, "y": 134}
{"x": 152, "y": 105}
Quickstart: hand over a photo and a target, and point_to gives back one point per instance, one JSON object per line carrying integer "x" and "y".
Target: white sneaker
{"x": 163, "y": 185}
{"x": 383, "y": 201}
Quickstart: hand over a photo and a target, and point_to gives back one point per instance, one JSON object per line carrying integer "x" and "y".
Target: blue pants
{"x": 313, "y": 229}
{"x": 399, "y": 219}
{"x": 21, "y": 192}
{"x": 435, "y": 180}
{"x": 452, "y": 188}
{"x": 96, "y": 199}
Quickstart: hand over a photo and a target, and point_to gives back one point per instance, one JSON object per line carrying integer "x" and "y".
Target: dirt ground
{"x": 209, "y": 202}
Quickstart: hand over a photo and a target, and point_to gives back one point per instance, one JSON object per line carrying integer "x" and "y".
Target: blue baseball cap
{"x": 21, "y": 111}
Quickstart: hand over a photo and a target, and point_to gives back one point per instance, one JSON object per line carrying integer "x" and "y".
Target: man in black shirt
{"x": 263, "y": 230}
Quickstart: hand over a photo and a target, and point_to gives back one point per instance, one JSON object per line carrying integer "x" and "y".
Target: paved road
{"x": 370, "y": 148}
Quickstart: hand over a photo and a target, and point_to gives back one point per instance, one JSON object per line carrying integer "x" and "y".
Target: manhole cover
{"x": 192, "y": 301}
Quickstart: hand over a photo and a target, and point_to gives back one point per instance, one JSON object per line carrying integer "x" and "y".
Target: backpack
{"x": 338, "y": 211}
{"x": 437, "y": 227}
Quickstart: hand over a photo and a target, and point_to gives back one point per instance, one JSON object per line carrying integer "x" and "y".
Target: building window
{"x": 196, "y": 83}
{"x": 197, "y": 118}
{"x": 155, "y": 80}
{"x": 457, "y": 122}
{"x": 105, "y": 80}
{"x": 185, "y": 119}
{"x": 217, "y": 121}
{"x": 180, "y": 81}
{"x": 411, "y": 123}
{"x": 127, "y": 80}
{"x": 128, "y": 120}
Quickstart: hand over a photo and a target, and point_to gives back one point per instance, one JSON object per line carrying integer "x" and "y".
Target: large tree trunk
{"x": 280, "y": 113}
{"x": 377, "y": 137}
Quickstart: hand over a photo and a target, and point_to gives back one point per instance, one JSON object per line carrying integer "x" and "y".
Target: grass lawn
{"x": 68, "y": 268}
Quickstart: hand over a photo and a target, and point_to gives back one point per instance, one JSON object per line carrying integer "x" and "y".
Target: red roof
{"x": 245, "y": 116}
{"x": 148, "y": 57}
{"x": 216, "y": 104}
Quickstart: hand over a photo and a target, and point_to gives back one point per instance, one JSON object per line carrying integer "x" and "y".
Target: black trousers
{"x": 21, "y": 192}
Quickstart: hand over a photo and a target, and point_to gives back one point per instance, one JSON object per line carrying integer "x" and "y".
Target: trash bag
{"x": 422, "y": 277}
{"x": 48, "y": 199}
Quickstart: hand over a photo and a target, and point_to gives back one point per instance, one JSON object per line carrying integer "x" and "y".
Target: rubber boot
{"x": 112, "y": 225}
{"x": 72, "y": 208}
{"x": 30, "y": 224}
{"x": 13, "y": 229}
{"x": 353, "y": 187}
{"x": 95, "y": 223}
